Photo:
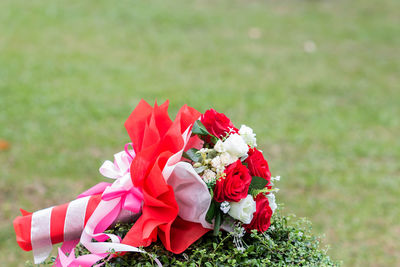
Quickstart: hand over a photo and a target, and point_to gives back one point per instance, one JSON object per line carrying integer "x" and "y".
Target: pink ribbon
{"x": 118, "y": 196}
{"x": 81, "y": 261}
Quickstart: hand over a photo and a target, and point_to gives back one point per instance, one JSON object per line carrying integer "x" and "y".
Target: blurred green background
{"x": 317, "y": 80}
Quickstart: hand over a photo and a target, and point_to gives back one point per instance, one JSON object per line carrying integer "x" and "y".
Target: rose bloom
{"x": 262, "y": 217}
{"x": 248, "y": 135}
{"x": 236, "y": 146}
{"x": 243, "y": 210}
{"x": 235, "y": 185}
{"x": 216, "y": 123}
{"x": 257, "y": 165}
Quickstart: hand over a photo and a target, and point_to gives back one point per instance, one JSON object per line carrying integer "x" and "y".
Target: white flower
{"x": 227, "y": 159}
{"x": 217, "y": 164}
{"x": 209, "y": 176}
{"x": 248, "y": 135}
{"x": 238, "y": 233}
{"x": 203, "y": 150}
{"x": 243, "y": 210}
{"x": 277, "y": 178}
{"x": 219, "y": 146}
{"x": 225, "y": 206}
{"x": 236, "y": 146}
{"x": 272, "y": 202}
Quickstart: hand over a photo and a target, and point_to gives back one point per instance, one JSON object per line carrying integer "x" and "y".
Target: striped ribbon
{"x": 63, "y": 223}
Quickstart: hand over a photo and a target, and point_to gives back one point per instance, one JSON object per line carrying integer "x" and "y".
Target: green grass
{"x": 71, "y": 72}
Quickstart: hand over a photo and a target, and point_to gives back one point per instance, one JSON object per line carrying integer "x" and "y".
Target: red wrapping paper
{"x": 156, "y": 138}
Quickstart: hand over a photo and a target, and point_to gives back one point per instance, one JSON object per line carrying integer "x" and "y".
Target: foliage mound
{"x": 288, "y": 242}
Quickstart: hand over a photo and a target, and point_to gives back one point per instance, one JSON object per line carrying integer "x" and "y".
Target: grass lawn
{"x": 317, "y": 80}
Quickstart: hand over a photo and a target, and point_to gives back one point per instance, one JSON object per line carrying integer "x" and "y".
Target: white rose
{"x": 243, "y": 210}
{"x": 236, "y": 146}
{"x": 248, "y": 135}
{"x": 227, "y": 158}
{"x": 219, "y": 146}
{"x": 272, "y": 201}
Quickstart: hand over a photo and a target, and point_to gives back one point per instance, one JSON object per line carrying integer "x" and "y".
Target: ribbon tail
{"x": 104, "y": 215}
{"x": 95, "y": 190}
{"x": 67, "y": 247}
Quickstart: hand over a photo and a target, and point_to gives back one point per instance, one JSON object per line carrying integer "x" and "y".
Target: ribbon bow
{"x": 118, "y": 197}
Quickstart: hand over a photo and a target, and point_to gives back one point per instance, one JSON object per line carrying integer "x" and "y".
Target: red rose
{"x": 257, "y": 165}
{"x": 216, "y": 123}
{"x": 235, "y": 185}
{"x": 262, "y": 217}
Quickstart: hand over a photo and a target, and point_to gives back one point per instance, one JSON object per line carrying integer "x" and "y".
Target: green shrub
{"x": 287, "y": 242}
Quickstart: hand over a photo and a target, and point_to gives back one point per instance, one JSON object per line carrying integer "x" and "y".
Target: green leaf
{"x": 192, "y": 155}
{"x": 211, "y": 211}
{"x": 199, "y": 128}
{"x": 200, "y": 169}
{"x": 214, "y": 139}
{"x": 212, "y": 154}
{"x": 257, "y": 183}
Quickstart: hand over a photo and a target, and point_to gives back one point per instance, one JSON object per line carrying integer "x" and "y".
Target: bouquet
{"x": 176, "y": 181}
{"x": 236, "y": 174}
